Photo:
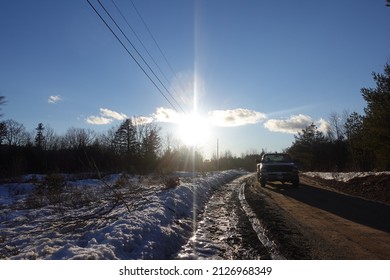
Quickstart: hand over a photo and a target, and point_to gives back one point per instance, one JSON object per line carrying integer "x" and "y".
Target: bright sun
{"x": 194, "y": 130}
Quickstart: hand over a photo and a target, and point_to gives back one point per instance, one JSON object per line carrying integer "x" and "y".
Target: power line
{"x": 132, "y": 56}
{"x": 139, "y": 40}
{"x": 151, "y": 35}
{"x": 155, "y": 41}
{"x": 149, "y": 54}
{"x": 140, "y": 55}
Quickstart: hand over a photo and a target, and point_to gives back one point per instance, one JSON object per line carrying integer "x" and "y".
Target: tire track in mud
{"x": 224, "y": 231}
{"x": 258, "y": 226}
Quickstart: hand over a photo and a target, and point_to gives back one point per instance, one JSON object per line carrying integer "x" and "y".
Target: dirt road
{"x": 224, "y": 231}
{"x": 316, "y": 222}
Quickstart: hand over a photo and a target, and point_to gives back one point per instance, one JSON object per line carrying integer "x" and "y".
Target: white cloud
{"x": 166, "y": 115}
{"x": 54, "y": 99}
{"x": 235, "y": 117}
{"x": 295, "y": 124}
{"x": 142, "y": 120}
{"x": 98, "y": 120}
{"x": 291, "y": 125}
{"x": 106, "y": 116}
{"x": 323, "y": 125}
{"x": 107, "y": 113}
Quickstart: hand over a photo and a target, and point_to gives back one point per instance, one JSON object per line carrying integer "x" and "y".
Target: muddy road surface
{"x": 244, "y": 221}
{"x": 224, "y": 230}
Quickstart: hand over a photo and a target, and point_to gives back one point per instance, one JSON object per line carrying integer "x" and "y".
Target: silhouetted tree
{"x": 39, "y": 137}
{"x": 338, "y": 150}
{"x": 16, "y": 134}
{"x": 353, "y": 126}
{"x": 2, "y": 102}
{"x": 3, "y": 130}
{"x": 150, "y": 147}
{"x": 126, "y": 146}
{"x": 77, "y": 138}
{"x": 361, "y": 158}
{"x": 376, "y": 122}
{"x": 308, "y": 148}
{"x": 52, "y": 140}
{"x": 125, "y": 138}
{"x": 336, "y": 125}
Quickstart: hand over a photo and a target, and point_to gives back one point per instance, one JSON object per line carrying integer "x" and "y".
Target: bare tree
{"x": 337, "y": 126}
{"x": 3, "y": 131}
{"x": 107, "y": 139}
{"x": 52, "y": 140}
{"x": 15, "y": 133}
{"x": 168, "y": 143}
{"x": 76, "y": 138}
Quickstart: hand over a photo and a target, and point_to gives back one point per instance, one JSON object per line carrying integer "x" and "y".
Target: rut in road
{"x": 223, "y": 230}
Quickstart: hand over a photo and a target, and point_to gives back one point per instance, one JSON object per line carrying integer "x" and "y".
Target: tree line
{"x": 127, "y": 148}
{"x": 354, "y": 142}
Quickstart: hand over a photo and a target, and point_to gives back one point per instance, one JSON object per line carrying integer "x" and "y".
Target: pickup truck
{"x": 277, "y": 167}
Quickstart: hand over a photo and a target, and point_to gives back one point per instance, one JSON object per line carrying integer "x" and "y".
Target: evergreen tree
{"x": 2, "y": 102}
{"x": 126, "y": 146}
{"x": 359, "y": 153}
{"x": 149, "y": 148}
{"x": 3, "y": 128}
{"x": 150, "y": 144}
{"x": 353, "y": 126}
{"x": 308, "y": 148}
{"x": 377, "y": 120}
{"x": 125, "y": 138}
{"x": 39, "y": 137}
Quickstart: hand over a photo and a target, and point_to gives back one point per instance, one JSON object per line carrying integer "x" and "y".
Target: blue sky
{"x": 259, "y": 71}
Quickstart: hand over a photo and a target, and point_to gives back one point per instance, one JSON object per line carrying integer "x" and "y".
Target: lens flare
{"x": 194, "y": 130}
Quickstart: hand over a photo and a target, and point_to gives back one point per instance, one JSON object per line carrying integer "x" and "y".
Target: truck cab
{"x": 277, "y": 167}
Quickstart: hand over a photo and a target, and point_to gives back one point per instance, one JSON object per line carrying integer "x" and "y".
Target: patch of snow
{"x": 142, "y": 220}
{"x": 343, "y": 176}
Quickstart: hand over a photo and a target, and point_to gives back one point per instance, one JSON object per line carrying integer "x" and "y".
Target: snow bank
{"x": 159, "y": 223}
{"x": 343, "y": 176}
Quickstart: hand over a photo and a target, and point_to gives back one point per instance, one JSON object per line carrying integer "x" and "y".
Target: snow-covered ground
{"x": 118, "y": 217}
{"x": 343, "y": 176}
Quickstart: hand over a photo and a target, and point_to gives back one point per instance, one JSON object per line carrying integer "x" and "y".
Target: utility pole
{"x": 217, "y": 154}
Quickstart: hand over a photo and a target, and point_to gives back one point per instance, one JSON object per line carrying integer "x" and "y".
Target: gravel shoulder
{"x": 319, "y": 221}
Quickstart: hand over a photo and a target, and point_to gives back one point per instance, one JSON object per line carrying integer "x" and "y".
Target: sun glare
{"x": 194, "y": 130}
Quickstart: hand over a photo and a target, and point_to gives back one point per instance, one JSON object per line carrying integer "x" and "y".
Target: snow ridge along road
{"x": 117, "y": 217}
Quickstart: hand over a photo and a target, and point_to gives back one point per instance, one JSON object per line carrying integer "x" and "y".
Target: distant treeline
{"x": 353, "y": 142}
{"x": 127, "y": 148}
